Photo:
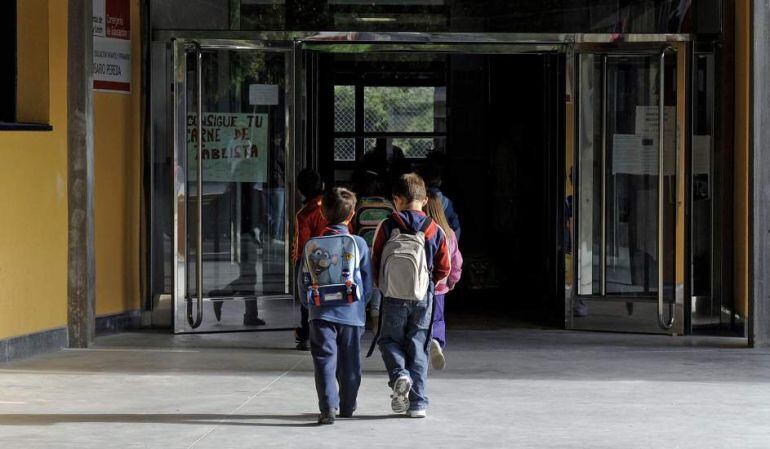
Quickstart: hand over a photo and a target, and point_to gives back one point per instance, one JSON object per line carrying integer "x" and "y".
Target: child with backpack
{"x": 435, "y": 210}
{"x": 336, "y": 277}
{"x": 432, "y": 173}
{"x": 310, "y": 223}
{"x": 410, "y": 256}
{"x": 372, "y": 205}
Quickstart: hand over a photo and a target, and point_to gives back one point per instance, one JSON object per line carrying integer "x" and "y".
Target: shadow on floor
{"x": 298, "y": 420}
{"x": 513, "y": 354}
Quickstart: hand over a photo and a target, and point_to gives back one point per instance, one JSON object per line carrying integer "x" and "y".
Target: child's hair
{"x": 338, "y": 205}
{"x": 435, "y": 210}
{"x": 309, "y": 183}
{"x": 410, "y": 186}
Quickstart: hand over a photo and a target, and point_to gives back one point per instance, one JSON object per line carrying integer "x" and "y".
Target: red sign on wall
{"x": 112, "y": 45}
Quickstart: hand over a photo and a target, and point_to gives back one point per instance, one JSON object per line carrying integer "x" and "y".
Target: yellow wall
{"x": 117, "y": 152}
{"x": 33, "y": 201}
{"x": 741, "y": 210}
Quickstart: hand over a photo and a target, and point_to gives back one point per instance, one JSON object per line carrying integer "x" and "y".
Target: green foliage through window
{"x": 399, "y": 109}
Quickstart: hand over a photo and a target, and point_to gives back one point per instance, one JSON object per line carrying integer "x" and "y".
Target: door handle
{"x": 195, "y": 322}
{"x": 662, "y": 322}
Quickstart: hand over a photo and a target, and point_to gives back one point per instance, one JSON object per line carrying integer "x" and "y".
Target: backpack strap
{"x": 377, "y": 335}
{"x": 432, "y": 293}
{"x": 313, "y": 281}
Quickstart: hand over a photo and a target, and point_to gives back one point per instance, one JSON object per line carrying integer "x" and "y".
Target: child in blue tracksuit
{"x": 336, "y": 330}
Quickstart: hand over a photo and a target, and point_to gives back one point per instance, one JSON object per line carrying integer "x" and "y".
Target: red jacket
{"x": 310, "y": 223}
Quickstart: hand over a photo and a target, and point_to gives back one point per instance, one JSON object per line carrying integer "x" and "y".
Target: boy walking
{"x": 310, "y": 223}
{"x": 336, "y": 277}
{"x": 409, "y": 257}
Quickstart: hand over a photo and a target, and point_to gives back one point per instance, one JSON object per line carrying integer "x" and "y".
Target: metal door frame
{"x": 295, "y": 43}
{"x": 675, "y": 323}
{"x": 183, "y": 321}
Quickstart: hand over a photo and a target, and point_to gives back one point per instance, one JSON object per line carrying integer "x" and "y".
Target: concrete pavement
{"x": 514, "y": 388}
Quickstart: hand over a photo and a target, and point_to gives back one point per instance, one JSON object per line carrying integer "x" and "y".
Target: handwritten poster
{"x": 234, "y": 147}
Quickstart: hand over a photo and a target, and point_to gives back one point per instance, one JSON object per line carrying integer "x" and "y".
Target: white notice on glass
{"x": 633, "y": 155}
{"x": 647, "y": 121}
{"x": 263, "y": 94}
{"x": 701, "y": 155}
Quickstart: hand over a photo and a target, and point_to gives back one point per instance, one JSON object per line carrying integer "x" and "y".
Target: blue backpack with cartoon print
{"x": 331, "y": 263}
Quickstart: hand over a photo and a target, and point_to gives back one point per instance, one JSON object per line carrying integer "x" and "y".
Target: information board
{"x": 112, "y": 45}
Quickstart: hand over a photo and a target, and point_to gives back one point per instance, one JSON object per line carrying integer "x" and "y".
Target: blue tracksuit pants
{"x": 336, "y": 350}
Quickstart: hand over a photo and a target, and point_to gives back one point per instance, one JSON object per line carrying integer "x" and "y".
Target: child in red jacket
{"x": 310, "y": 223}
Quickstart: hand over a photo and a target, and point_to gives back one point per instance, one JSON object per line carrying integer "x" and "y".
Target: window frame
{"x": 360, "y": 134}
{"x": 9, "y": 76}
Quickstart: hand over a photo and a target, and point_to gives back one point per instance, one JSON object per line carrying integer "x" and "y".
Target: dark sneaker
{"x": 252, "y": 320}
{"x": 326, "y": 418}
{"x": 302, "y": 346}
{"x": 346, "y": 414}
{"x": 630, "y": 308}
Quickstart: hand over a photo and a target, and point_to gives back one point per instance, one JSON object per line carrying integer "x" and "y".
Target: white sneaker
{"x": 417, "y": 413}
{"x": 399, "y": 399}
{"x": 437, "y": 359}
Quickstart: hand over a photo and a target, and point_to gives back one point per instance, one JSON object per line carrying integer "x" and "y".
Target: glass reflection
{"x": 617, "y": 234}
{"x": 632, "y": 174}
{"x": 523, "y": 16}
{"x": 589, "y": 230}
{"x": 243, "y": 195}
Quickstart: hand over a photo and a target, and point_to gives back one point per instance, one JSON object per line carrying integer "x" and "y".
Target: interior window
{"x": 411, "y": 118}
{"x": 8, "y": 75}
{"x": 399, "y": 109}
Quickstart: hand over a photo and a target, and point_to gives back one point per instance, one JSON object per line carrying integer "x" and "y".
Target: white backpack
{"x": 404, "y": 272}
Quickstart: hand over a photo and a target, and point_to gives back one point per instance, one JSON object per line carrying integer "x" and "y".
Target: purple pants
{"x": 439, "y": 325}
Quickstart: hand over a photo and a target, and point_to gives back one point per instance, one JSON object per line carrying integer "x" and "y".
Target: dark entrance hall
{"x": 494, "y": 125}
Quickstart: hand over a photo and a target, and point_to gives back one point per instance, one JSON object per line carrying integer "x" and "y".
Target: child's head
{"x": 431, "y": 173}
{"x": 435, "y": 210}
{"x": 370, "y": 184}
{"x": 309, "y": 183}
{"x": 409, "y": 192}
{"x": 339, "y": 205}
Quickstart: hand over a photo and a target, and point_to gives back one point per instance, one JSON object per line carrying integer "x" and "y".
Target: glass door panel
{"x": 628, "y": 121}
{"x": 233, "y": 266}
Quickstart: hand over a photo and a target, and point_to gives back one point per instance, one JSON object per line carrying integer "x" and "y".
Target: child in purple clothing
{"x": 435, "y": 210}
